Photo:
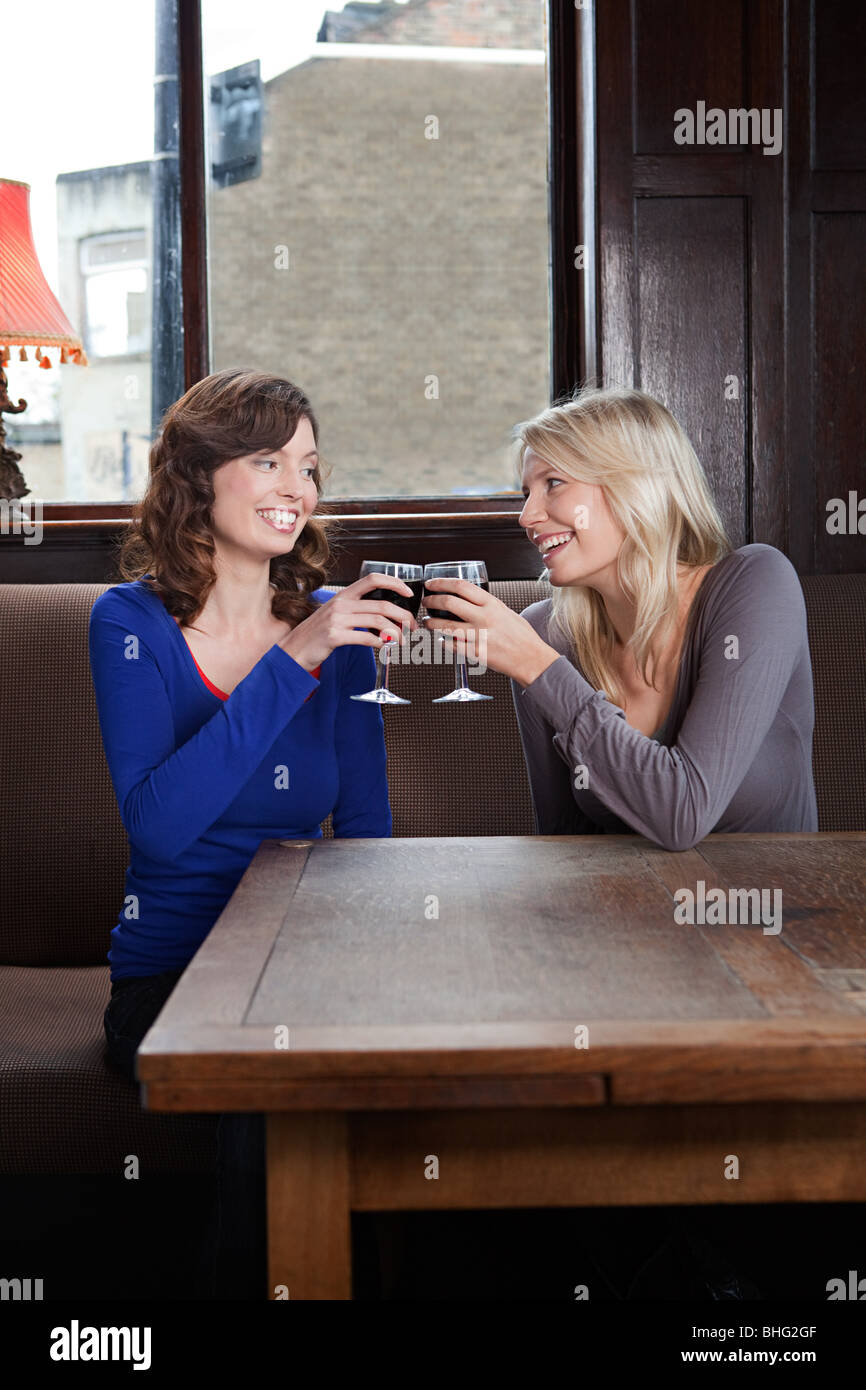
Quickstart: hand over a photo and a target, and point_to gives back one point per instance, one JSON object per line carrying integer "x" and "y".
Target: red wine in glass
{"x": 413, "y": 576}
{"x": 446, "y": 615}
{"x": 475, "y": 571}
{"x": 411, "y": 603}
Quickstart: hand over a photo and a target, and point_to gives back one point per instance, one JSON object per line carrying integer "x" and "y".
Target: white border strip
{"x": 431, "y": 54}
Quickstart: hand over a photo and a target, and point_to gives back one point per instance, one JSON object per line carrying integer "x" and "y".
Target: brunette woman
{"x": 223, "y": 673}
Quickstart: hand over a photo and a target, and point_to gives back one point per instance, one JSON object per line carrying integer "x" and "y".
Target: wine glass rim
{"x": 390, "y": 567}
{"x": 454, "y": 564}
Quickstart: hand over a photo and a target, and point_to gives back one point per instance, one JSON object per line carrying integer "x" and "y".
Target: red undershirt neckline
{"x": 221, "y": 694}
{"x": 214, "y": 689}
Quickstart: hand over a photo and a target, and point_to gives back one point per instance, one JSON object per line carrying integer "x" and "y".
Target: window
{"x": 116, "y": 317}
{"x": 376, "y": 188}
{"x": 96, "y": 185}
{"x": 378, "y": 228}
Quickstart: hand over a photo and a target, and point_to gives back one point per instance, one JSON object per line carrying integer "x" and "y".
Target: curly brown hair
{"x": 224, "y": 416}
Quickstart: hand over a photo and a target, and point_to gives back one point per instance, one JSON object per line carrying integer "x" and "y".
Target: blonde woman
{"x": 666, "y": 687}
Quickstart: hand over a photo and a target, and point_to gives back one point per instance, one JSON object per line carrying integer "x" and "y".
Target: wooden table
{"x": 398, "y": 1007}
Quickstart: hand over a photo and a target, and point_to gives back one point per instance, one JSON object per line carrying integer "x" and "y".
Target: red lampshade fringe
{"x": 76, "y": 355}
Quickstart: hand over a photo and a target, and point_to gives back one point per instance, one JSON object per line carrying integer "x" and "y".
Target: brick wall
{"x": 408, "y": 258}
{"x": 451, "y": 23}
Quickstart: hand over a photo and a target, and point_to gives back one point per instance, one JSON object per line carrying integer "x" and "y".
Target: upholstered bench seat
{"x": 64, "y": 1109}
{"x": 452, "y": 770}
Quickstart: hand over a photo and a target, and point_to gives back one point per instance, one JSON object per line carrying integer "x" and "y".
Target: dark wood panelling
{"x": 689, "y": 174}
{"x": 837, "y": 372}
{"x": 615, "y": 194}
{"x": 342, "y": 506}
{"x": 691, "y": 307}
{"x": 84, "y": 551}
{"x": 566, "y": 220}
{"x": 798, "y": 336}
{"x": 497, "y": 539}
{"x": 839, "y": 89}
{"x": 825, "y": 337}
{"x": 684, "y": 53}
{"x": 683, "y": 287}
{"x": 766, "y": 475}
{"x": 840, "y": 191}
{"x": 586, "y": 196}
{"x": 677, "y": 319}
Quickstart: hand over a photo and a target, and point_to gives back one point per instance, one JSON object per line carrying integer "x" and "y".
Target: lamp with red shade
{"x": 30, "y": 317}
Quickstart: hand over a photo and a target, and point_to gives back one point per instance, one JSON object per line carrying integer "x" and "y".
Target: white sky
{"x": 77, "y": 83}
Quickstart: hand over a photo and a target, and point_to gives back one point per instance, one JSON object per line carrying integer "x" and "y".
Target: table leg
{"x": 309, "y": 1220}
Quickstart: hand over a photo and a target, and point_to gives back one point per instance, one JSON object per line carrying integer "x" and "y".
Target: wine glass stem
{"x": 384, "y": 667}
{"x": 462, "y": 682}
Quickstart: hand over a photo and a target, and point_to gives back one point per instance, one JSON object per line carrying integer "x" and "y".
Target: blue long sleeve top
{"x": 201, "y": 781}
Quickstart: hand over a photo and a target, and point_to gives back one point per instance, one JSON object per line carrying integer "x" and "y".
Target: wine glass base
{"x": 460, "y": 696}
{"x": 381, "y": 697}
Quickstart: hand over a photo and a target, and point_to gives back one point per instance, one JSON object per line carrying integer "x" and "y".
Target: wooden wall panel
{"x": 837, "y": 372}
{"x": 673, "y": 306}
{"x": 702, "y": 301}
{"x": 839, "y": 117}
{"x": 691, "y": 309}
{"x": 825, "y": 234}
{"x": 84, "y": 551}
{"x": 684, "y": 53}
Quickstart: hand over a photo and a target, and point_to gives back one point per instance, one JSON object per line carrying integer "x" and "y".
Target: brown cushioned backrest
{"x": 63, "y": 848}
{"x": 458, "y": 769}
{"x": 453, "y": 769}
{"x": 836, "y": 616}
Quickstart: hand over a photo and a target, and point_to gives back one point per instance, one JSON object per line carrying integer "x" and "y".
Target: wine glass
{"x": 476, "y": 572}
{"x": 413, "y": 575}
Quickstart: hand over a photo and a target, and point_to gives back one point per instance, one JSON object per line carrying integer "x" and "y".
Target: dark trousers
{"x": 232, "y": 1260}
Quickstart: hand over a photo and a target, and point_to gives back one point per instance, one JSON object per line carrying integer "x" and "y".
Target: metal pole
{"x": 126, "y": 462}
{"x": 166, "y": 369}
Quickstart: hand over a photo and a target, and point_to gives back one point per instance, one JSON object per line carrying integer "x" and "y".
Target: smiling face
{"x": 263, "y": 501}
{"x": 571, "y": 525}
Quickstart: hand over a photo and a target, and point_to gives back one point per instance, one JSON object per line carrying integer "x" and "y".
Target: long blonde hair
{"x": 657, "y": 492}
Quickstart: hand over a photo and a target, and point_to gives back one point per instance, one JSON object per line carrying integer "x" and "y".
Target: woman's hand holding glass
{"x": 410, "y": 578}
{"x": 472, "y": 575}
{"x": 345, "y": 618}
{"x": 505, "y": 641}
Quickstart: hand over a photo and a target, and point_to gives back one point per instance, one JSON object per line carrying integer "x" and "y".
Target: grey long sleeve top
{"x": 735, "y": 751}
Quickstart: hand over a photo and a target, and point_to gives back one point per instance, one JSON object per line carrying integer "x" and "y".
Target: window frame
{"x": 572, "y": 293}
